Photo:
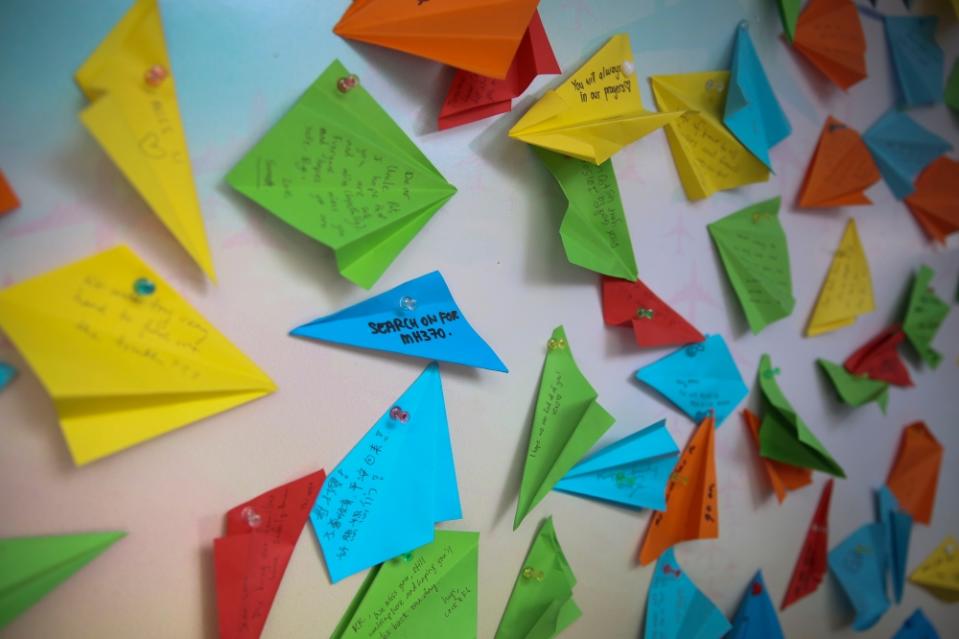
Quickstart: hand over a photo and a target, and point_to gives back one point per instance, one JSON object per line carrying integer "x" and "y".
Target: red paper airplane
{"x": 654, "y": 322}
{"x": 473, "y": 97}
{"x": 249, "y": 561}
{"x": 8, "y": 198}
{"x": 879, "y": 358}
{"x": 811, "y": 563}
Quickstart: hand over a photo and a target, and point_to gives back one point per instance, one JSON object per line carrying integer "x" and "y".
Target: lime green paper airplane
{"x": 30, "y": 567}
{"x": 594, "y": 229}
{"x": 924, "y": 315}
{"x": 429, "y": 592}
{"x": 856, "y": 390}
{"x": 541, "y": 604}
{"x": 337, "y": 168}
{"x": 789, "y": 14}
{"x": 783, "y": 436}
{"x": 566, "y": 423}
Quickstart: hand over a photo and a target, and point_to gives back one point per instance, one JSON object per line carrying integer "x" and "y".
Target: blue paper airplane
{"x": 698, "y": 378}
{"x": 902, "y": 149}
{"x": 675, "y": 607}
{"x": 756, "y": 616}
{"x": 917, "y": 626}
{"x": 384, "y": 499}
{"x": 857, "y": 563}
{"x": 7, "y": 373}
{"x": 918, "y": 62}
{"x": 631, "y": 472}
{"x": 752, "y": 111}
{"x": 897, "y": 525}
{"x": 419, "y": 318}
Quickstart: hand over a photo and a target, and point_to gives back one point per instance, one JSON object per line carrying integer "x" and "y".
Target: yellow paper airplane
{"x": 123, "y": 356}
{"x": 847, "y": 291}
{"x": 595, "y": 112}
{"x": 135, "y": 118}
{"x": 939, "y": 572}
{"x": 708, "y": 157}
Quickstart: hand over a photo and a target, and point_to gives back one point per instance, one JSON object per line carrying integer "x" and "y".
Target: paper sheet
{"x": 653, "y": 321}
{"x": 855, "y": 390}
{"x": 9, "y": 201}
{"x": 879, "y": 360}
{"x": 840, "y": 170}
{"x": 902, "y": 149}
{"x": 810, "y": 565}
{"x": 847, "y": 291}
{"x": 935, "y": 201}
{"x": 857, "y": 563}
{"x": 914, "y": 475}
{"x": 829, "y": 34}
{"x": 676, "y": 608}
{"x": 939, "y": 572}
{"x": 925, "y": 314}
{"x": 783, "y": 477}
{"x": 756, "y": 616}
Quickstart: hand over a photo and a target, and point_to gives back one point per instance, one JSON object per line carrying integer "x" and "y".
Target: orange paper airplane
{"x": 811, "y": 564}
{"x": 915, "y": 471}
{"x": 830, "y": 36}
{"x": 840, "y": 170}
{"x": 691, "y": 507}
{"x": 783, "y": 477}
{"x": 8, "y": 198}
{"x": 935, "y": 202}
{"x": 473, "y": 35}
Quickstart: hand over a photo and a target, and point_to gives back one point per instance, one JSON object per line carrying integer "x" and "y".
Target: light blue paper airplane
{"x": 756, "y": 616}
{"x": 698, "y": 378}
{"x": 7, "y": 373}
{"x": 901, "y": 149}
{"x": 419, "y": 318}
{"x": 918, "y": 62}
{"x": 384, "y": 499}
{"x": 897, "y": 525}
{"x": 857, "y": 563}
{"x": 631, "y": 472}
{"x": 752, "y": 111}
{"x": 675, "y": 607}
{"x": 917, "y": 626}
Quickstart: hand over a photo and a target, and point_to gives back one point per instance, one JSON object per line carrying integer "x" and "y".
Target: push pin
{"x": 950, "y": 550}
{"x": 743, "y": 24}
{"x": 628, "y": 67}
{"x": 757, "y": 589}
{"x": 408, "y": 304}
{"x": 554, "y": 344}
{"x": 399, "y": 415}
{"x": 772, "y": 372}
{"x": 644, "y": 312}
{"x": 531, "y": 573}
{"x": 155, "y": 75}
{"x": 757, "y": 217}
{"x": 408, "y": 557}
{"x": 669, "y": 570}
{"x": 253, "y": 519}
{"x": 692, "y": 349}
{"x": 346, "y": 83}
{"x": 144, "y": 287}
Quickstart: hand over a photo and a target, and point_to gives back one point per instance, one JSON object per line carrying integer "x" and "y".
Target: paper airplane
{"x": 878, "y": 359}
{"x": 917, "y": 61}
{"x": 939, "y": 572}
{"x": 756, "y": 616}
{"x": 935, "y": 201}
{"x": 595, "y": 112}
{"x": 902, "y": 149}
{"x": 752, "y": 246}
{"x": 9, "y": 201}
{"x": 567, "y": 421}
{"x": 473, "y": 97}
{"x": 541, "y": 604}
{"x": 135, "y": 117}
{"x": 855, "y": 390}
{"x": 398, "y": 482}
{"x": 857, "y": 563}
{"x": 914, "y": 475}
{"x": 897, "y": 527}
{"x": 30, "y": 567}
{"x": 594, "y": 230}
{"x": 338, "y": 169}
{"x": 676, "y": 608}
{"x": 653, "y": 321}
{"x": 631, "y": 472}
{"x": 419, "y": 318}
{"x": 829, "y": 35}
{"x": 707, "y": 155}
{"x": 250, "y": 559}
{"x": 123, "y": 356}
{"x": 752, "y": 112}
{"x": 925, "y": 313}
{"x": 917, "y": 626}
{"x": 7, "y": 373}
{"x": 783, "y": 477}
{"x": 811, "y": 563}
{"x": 789, "y": 14}
{"x": 847, "y": 291}
{"x": 431, "y": 592}
{"x": 840, "y": 170}
{"x": 692, "y": 510}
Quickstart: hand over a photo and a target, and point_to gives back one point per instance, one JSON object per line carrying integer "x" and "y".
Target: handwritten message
{"x": 426, "y": 327}
{"x": 605, "y": 84}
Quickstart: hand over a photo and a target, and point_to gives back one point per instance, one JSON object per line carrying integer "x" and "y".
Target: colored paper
{"x": 630, "y": 472}
{"x": 789, "y": 14}
{"x": 752, "y": 246}
{"x": 939, "y": 572}
{"x": 595, "y": 112}
{"x": 935, "y": 201}
{"x": 135, "y": 117}
{"x": 677, "y": 609}
{"x": 951, "y": 95}
{"x": 925, "y": 313}
{"x": 902, "y": 149}
{"x": 756, "y": 616}
{"x": 917, "y": 626}
{"x": 878, "y": 359}
{"x": 783, "y": 435}
{"x": 692, "y": 510}
{"x": 251, "y": 557}
{"x": 783, "y": 477}
{"x": 897, "y": 527}
{"x": 541, "y": 605}
{"x": 121, "y": 367}
{"x": 707, "y": 155}
{"x": 699, "y": 379}
{"x": 752, "y": 112}
{"x": 917, "y": 61}
{"x": 473, "y": 97}
{"x": 384, "y": 498}
{"x": 914, "y": 475}
{"x": 840, "y": 170}
{"x": 567, "y": 422}
{"x": 473, "y": 35}
{"x": 9, "y": 201}
{"x": 419, "y": 318}
{"x": 856, "y": 390}
{"x": 7, "y": 373}
{"x": 830, "y": 36}
{"x": 857, "y": 563}
{"x": 847, "y": 291}
{"x": 431, "y": 592}
{"x": 30, "y": 567}
{"x": 337, "y": 168}
{"x": 654, "y": 322}
{"x": 811, "y": 563}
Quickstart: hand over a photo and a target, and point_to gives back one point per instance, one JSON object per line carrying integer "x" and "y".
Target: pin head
{"x": 531, "y": 573}
{"x": 408, "y": 303}
{"x": 757, "y": 589}
{"x": 155, "y": 75}
{"x": 399, "y": 415}
{"x": 770, "y": 373}
{"x": 408, "y": 557}
{"x": 556, "y": 344}
{"x": 144, "y": 287}
{"x": 628, "y": 67}
{"x": 646, "y": 313}
{"x": 253, "y": 519}
{"x": 346, "y": 83}
{"x": 692, "y": 349}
